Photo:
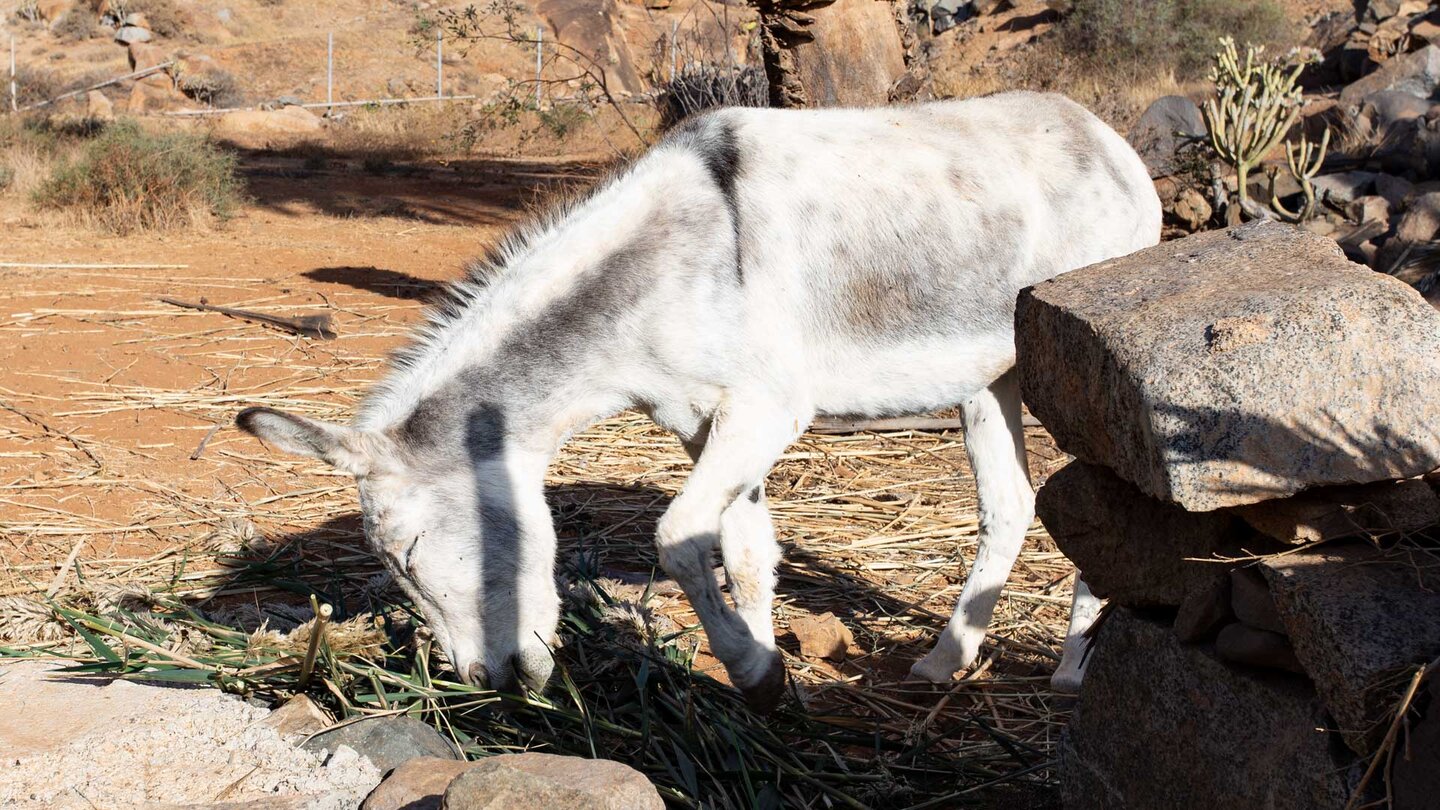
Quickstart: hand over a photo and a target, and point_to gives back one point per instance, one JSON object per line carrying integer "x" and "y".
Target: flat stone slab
{"x": 1332, "y": 513}
{"x": 1164, "y": 724}
{"x": 1235, "y": 366}
{"x": 1361, "y": 621}
{"x": 1129, "y": 547}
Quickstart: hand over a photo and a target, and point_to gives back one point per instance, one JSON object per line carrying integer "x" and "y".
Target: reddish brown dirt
{"x": 108, "y": 392}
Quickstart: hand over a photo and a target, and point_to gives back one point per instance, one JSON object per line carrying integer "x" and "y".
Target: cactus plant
{"x": 1304, "y": 161}
{"x": 1256, "y": 103}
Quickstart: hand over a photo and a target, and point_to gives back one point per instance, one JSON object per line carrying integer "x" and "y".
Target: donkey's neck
{"x": 535, "y": 354}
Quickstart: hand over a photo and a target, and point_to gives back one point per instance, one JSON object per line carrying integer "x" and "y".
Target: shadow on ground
{"x": 468, "y": 191}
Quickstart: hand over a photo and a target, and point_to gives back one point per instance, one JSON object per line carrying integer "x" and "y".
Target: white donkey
{"x": 753, "y": 270}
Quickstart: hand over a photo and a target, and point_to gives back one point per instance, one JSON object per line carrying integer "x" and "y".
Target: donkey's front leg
{"x": 743, "y": 443}
{"x": 995, "y": 442}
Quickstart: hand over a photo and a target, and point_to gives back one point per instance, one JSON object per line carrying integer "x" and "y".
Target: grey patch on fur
{"x": 714, "y": 141}
{"x": 756, "y": 493}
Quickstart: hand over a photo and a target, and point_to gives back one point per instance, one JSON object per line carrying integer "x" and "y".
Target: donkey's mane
{"x": 455, "y": 299}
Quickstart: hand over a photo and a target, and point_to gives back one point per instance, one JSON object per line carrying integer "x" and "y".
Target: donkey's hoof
{"x": 1067, "y": 681}
{"x": 927, "y": 670}
{"x": 763, "y": 695}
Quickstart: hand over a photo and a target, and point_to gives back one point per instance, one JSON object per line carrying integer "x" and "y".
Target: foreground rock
{"x": 1361, "y": 621}
{"x": 91, "y": 742}
{"x": 1205, "y": 370}
{"x": 385, "y": 741}
{"x": 550, "y": 782}
{"x": 1132, "y": 548}
{"x": 417, "y": 784}
{"x": 1196, "y": 732}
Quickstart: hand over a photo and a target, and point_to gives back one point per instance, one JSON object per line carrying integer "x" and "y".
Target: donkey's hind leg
{"x": 995, "y": 442}
{"x": 742, "y": 444}
{"x": 1084, "y": 607}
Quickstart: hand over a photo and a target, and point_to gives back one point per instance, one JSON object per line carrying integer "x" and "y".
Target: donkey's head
{"x": 447, "y": 529}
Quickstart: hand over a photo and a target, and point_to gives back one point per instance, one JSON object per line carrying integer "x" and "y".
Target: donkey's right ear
{"x": 337, "y": 445}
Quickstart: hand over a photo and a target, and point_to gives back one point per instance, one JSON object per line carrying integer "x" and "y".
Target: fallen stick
{"x": 135, "y": 75}
{"x": 898, "y": 424}
{"x": 201, "y": 447}
{"x": 61, "y": 266}
{"x": 316, "y": 326}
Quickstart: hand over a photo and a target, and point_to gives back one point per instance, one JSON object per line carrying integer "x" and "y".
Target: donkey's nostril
{"x": 477, "y": 676}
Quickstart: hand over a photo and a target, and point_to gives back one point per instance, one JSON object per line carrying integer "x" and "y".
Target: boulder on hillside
{"x": 1416, "y": 73}
{"x": 258, "y": 129}
{"x": 590, "y": 27}
{"x": 1129, "y": 547}
{"x": 826, "y": 53}
{"x": 1166, "y": 125}
{"x": 1205, "y": 370}
{"x": 552, "y": 782}
{"x": 1163, "y": 724}
{"x": 1361, "y": 621}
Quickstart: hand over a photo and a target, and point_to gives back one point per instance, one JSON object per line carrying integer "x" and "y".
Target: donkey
{"x": 753, "y": 270}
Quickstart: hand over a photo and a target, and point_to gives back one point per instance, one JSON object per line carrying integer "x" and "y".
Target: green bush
{"x": 1136, "y": 36}
{"x": 127, "y": 179}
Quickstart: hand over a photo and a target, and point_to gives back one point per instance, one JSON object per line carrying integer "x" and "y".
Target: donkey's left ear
{"x": 340, "y": 446}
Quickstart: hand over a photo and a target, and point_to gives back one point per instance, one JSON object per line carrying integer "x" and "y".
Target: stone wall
{"x": 1253, "y": 419}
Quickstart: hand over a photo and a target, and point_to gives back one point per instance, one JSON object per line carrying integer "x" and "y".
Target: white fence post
{"x": 329, "y": 69}
{"x": 14, "y": 91}
{"x": 539, "y": 61}
{"x": 439, "y": 64}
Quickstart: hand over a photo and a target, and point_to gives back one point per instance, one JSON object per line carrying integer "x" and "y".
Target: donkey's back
{"x": 876, "y": 241}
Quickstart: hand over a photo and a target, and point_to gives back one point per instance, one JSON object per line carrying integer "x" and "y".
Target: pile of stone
{"x": 1355, "y": 44}
{"x": 1253, "y": 417}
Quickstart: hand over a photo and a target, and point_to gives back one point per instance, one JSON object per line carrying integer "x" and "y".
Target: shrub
{"x": 163, "y": 16}
{"x": 78, "y": 25}
{"x": 700, "y": 87}
{"x": 217, "y": 88}
{"x": 1138, "y": 36}
{"x": 127, "y": 179}
{"x": 7, "y": 176}
{"x": 562, "y": 119}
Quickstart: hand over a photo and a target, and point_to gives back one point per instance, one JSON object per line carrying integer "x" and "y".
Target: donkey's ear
{"x": 337, "y": 445}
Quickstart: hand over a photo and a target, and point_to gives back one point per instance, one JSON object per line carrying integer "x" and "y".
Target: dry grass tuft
{"x": 127, "y": 179}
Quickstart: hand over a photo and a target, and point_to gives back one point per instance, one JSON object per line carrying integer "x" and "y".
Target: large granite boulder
{"x": 1163, "y": 724}
{"x": 1361, "y": 620}
{"x": 1130, "y": 547}
{"x": 1331, "y": 513}
{"x": 1235, "y": 366}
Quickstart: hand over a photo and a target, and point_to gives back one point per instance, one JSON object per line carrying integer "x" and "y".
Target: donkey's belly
{"x": 908, "y": 377}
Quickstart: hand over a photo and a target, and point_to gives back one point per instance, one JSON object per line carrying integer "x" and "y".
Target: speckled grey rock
{"x": 1416, "y": 73}
{"x": 1251, "y": 602}
{"x": 386, "y": 741}
{"x": 1250, "y": 646}
{"x": 1165, "y": 126}
{"x": 551, "y": 782}
{"x": 1359, "y": 620}
{"x": 1234, "y": 366}
{"x": 1332, "y": 513}
{"x": 130, "y": 33}
{"x": 1163, "y": 724}
{"x": 1132, "y": 548}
